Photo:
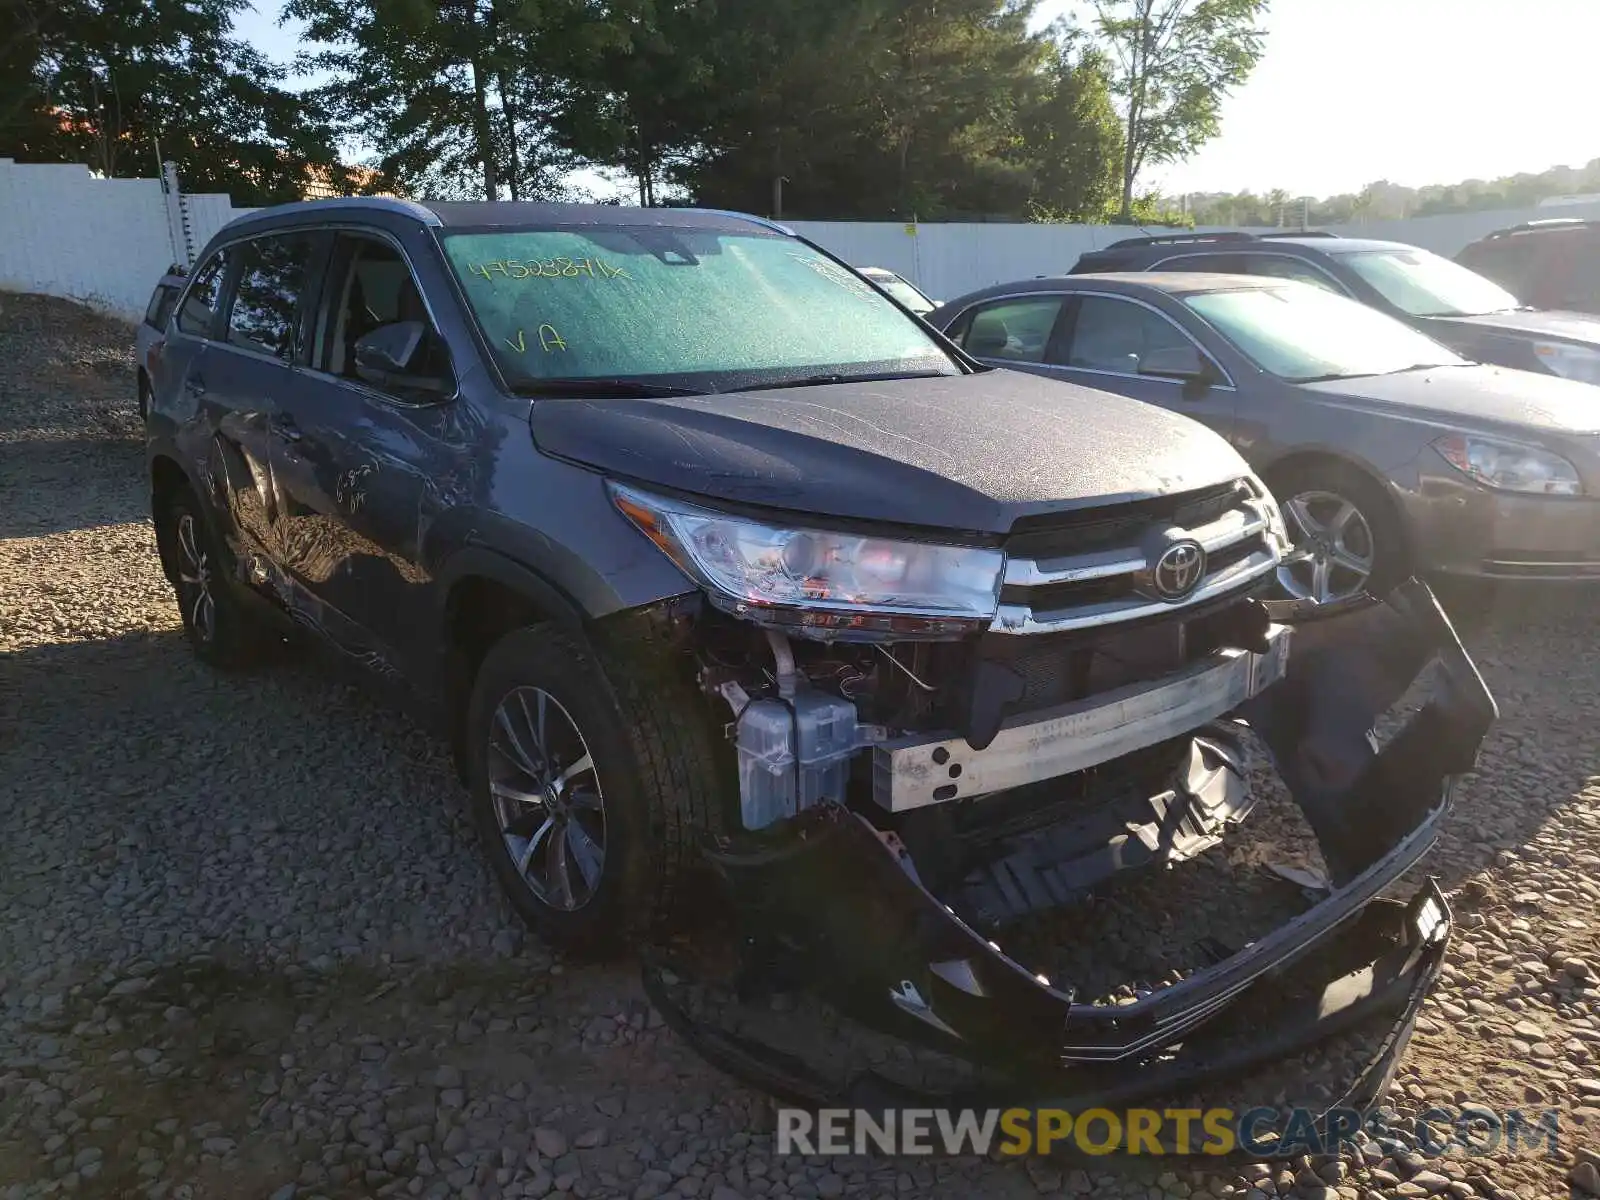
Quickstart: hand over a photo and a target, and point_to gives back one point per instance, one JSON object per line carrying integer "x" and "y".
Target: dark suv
{"x": 1475, "y": 317}
{"x": 1553, "y": 263}
{"x": 706, "y": 554}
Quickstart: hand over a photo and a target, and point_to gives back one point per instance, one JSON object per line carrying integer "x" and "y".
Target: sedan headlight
{"x": 819, "y": 577}
{"x": 1569, "y": 361}
{"x": 1510, "y": 467}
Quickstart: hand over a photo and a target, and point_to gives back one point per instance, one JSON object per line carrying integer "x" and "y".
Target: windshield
{"x": 715, "y": 309}
{"x": 904, "y": 292}
{"x": 1421, "y": 284}
{"x": 1300, "y": 333}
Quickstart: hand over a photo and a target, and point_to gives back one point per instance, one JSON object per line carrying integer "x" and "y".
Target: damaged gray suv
{"x": 719, "y": 570}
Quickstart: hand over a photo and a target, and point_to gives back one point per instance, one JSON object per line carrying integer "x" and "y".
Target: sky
{"x": 1353, "y": 91}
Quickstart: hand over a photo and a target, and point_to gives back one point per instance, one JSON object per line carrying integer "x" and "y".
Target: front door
{"x": 1113, "y": 342}
{"x": 362, "y": 465}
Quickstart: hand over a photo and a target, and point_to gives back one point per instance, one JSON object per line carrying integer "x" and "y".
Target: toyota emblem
{"x": 1179, "y": 570}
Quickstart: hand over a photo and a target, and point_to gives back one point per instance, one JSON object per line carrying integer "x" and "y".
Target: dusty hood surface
{"x": 972, "y": 452}
{"x": 1481, "y": 395}
{"x": 1534, "y": 323}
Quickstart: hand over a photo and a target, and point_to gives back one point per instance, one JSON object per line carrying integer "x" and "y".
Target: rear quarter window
{"x": 159, "y": 309}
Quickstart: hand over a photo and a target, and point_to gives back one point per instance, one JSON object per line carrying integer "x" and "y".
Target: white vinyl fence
{"x": 67, "y": 233}
{"x": 106, "y": 241}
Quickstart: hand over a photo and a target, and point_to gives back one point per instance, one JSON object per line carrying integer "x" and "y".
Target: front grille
{"x": 1055, "y": 535}
{"x": 1087, "y": 570}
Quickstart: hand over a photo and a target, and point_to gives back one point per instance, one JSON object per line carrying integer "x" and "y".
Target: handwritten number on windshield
{"x": 555, "y": 268}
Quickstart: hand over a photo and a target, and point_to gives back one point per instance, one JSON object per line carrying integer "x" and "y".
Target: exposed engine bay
{"x": 911, "y": 810}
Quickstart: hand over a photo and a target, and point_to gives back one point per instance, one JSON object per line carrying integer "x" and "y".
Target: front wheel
{"x": 592, "y": 778}
{"x": 1346, "y": 537}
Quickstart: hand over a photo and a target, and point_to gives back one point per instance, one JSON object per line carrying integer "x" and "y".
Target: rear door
{"x": 362, "y": 464}
{"x": 1013, "y": 331}
{"x": 245, "y": 372}
{"x": 209, "y": 401}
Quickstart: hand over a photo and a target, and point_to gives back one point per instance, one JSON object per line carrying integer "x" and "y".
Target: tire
{"x": 649, "y": 792}
{"x": 144, "y": 397}
{"x": 1341, "y": 523}
{"x": 221, "y": 629}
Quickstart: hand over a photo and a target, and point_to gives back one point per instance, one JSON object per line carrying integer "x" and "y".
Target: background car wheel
{"x": 1346, "y": 536}
{"x": 592, "y": 779}
{"x": 222, "y": 631}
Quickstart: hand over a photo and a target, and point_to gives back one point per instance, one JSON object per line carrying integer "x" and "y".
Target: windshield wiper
{"x": 836, "y": 377}
{"x": 1330, "y": 376}
{"x": 602, "y": 387}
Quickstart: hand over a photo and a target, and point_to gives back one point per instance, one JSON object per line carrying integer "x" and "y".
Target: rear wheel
{"x": 144, "y": 396}
{"x": 1346, "y": 536}
{"x": 219, "y": 626}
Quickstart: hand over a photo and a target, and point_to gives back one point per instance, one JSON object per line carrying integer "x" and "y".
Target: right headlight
{"x": 819, "y": 577}
{"x": 1569, "y": 361}
{"x": 1510, "y": 467}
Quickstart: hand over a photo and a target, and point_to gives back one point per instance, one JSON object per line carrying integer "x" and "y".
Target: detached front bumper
{"x": 835, "y": 904}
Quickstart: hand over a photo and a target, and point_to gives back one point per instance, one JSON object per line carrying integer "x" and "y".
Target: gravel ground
{"x": 251, "y": 951}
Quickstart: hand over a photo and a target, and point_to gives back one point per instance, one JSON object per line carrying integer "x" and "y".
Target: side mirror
{"x": 1176, "y": 362}
{"x": 384, "y": 357}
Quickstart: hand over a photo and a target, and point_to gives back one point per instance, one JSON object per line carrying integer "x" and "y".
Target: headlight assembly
{"x": 1569, "y": 361}
{"x": 820, "y": 578}
{"x": 1510, "y": 467}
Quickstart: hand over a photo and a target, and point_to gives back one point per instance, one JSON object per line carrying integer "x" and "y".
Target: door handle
{"x": 283, "y": 425}
{"x": 195, "y": 386}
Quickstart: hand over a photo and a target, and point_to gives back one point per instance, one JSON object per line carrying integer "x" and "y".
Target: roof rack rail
{"x": 1298, "y": 233}
{"x": 1544, "y": 223}
{"x": 1165, "y": 238}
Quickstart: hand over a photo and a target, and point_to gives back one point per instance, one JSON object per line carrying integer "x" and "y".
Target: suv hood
{"x": 1537, "y": 324}
{"x": 1483, "y": 395}
{"x": 967, "y": 452}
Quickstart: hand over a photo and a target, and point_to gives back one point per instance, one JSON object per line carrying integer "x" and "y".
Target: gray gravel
{"x": 250, "y": 949}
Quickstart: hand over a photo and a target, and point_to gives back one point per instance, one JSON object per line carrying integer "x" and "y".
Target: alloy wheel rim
{"x": 194, "y": 574}
{"x": 1333, "y": 552}
{"x": 547, "y": 798}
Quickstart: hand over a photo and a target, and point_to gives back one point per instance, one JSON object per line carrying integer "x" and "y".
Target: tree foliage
{"x": 1174, "y": 61}
{"x": 1385, "y": 201}
{"x": 112, "y": 83}
{"x": 823, "y": 108}
{"x": 928, "y": 109}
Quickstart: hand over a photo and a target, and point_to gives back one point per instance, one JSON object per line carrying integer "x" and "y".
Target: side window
{"x": 1116, "y": 335}
{"x": 1017, "y": 330}
{"x": 370, "y": 288}
{"x": 267, "y": 296}
{"x": 1224, "y": 264}
{"x": 168, "y": 298}
{"x": 160, "y": 306}
{"x": 200, "y": 302}
{"x": 1281, "y": 266}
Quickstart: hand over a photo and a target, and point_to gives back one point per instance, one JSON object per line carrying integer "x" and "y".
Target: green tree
{"x": 114, "y": 83}
{"x": 454, "y": 95}
{"x": 1072, "y": 137}
{"x": 1173, "y": 62}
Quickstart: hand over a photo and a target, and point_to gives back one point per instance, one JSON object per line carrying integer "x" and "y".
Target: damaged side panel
{"x": 832, "y": 900}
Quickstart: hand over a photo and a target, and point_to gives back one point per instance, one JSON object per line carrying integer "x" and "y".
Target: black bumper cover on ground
{"x": 838, "y": 902}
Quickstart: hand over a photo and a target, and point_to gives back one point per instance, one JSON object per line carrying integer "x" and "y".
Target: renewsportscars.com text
{"x": 1263, "y": 1132}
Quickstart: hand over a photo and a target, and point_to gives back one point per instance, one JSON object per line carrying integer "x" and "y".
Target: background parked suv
{"x": 1474, "y": 316}
{"x": 1550, "y": 264}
